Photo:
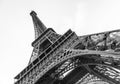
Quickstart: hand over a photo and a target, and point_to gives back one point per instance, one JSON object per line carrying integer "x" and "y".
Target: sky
{"x": 17, "y": 31}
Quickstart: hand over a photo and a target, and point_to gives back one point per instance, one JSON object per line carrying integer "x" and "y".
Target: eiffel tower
{"x": 72, "y": 59}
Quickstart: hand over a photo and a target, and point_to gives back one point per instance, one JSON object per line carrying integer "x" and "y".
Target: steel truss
{"x": 96, "y": 57}
{"x": 97, "y": 53}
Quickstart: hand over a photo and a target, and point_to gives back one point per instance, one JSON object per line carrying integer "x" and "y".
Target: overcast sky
{"x": 17, "y": 32}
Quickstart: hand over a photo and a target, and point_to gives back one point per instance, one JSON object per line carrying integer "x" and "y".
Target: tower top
{"x": 33, "y": 13}
{"x": 39, "y": 27}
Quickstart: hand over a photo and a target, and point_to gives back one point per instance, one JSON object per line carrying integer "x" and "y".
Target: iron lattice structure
{"x": 72, "y": 59}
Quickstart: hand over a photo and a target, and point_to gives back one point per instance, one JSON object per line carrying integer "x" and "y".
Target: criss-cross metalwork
{"x": 72, "y": 59}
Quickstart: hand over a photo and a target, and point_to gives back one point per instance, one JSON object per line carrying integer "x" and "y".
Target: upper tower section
{"x": 44, "y": 37}
{"x": 38, "y": 25}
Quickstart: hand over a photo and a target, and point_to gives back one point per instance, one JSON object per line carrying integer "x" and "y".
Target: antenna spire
{"x": 38, "y": 25}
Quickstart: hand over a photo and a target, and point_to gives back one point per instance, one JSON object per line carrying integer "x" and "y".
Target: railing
{"x": 22, "y": 76}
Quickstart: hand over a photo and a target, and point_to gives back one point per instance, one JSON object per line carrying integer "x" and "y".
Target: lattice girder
{"x": 109, "y": 72}
{"x": 103, "y": 75}
{"x": 101, "y": 41}
{"x": 78, "y": 54}
{"x": 81, "y": 62}
{"x": 97, "y": 53}
{"x": 63, "y": 55}
{"x": 71, "y": 54}
{"x": 64, "y": 51}
{"x": 90, "y": 78}
{"x": 68, "y": 40}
